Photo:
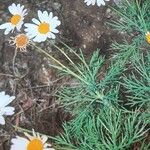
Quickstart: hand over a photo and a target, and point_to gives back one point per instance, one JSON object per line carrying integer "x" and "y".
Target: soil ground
{"x": 35, "y": 88}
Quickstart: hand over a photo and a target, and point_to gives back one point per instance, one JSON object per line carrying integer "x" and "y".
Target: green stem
{"x": 79, "y": 58}
{"x": 14, "y": 58}
{"x": 68, "y": 59}
{"x": 64, "y": 68}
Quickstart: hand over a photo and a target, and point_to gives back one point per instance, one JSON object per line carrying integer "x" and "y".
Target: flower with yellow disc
{"x": 35, "y": 142}
{"x": 16, "y": 21}
{"x": 43, "y": 28}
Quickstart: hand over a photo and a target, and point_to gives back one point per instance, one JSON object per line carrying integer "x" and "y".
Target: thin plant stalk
{"x": 78, "y": 57}
{"x": 14, "y": 58}
{"x": 67, "y": 58}
{"x": 64, "y": 68}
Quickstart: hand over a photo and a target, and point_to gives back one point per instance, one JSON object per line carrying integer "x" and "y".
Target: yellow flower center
{"x": 15, "y": 19}
{"x": 148, "y": 37}
{"x": 44, "y": 28}
{"x": 35, "y": 144}
{"x": 21, "y": 41}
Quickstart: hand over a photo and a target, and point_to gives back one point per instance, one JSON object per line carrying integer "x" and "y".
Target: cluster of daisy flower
{"x": 42, "y": 28}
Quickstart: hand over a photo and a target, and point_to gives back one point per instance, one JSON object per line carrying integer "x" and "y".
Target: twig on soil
{"x": 14, "y": 76}
{"x": 9, "y": 75}
{"x": 14, "y": 57}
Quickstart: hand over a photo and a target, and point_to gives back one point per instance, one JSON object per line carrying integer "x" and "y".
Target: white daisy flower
{"x": 4, "y": 109}
{"x": 43, "y": 28}
{"x": 16, "y": 21}
{"x": 93, "y": 2}
{"x": 34, "y": 142}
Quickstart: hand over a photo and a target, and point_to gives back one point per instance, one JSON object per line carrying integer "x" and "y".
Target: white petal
{"x": 30, "y": 26}
{"x": 50, "y": 15}
{"x": 90, "y": 2}
{"x": 19, "y": 142}
{"x": 8, "y": 111}
{"x": 54, "y": 24}
{"x": 19, "y": 25}
{"x": 55, "y": 31}
{"x": 2, "y": 93}
{"x": 44, "y": 138}
{"x": 20, "y": 8}
{"x": 45, "y": 14}
{"x": 43, "y": 17}
{"x": 2, "y": 120}
{"x": 51, "y": 35}
{"x": 40, "y": 15}
{"x": 56, "y": 21}
{"x": 40, "y": 38}
{"x": 17, "y": 9}
{"x": 12, "y": 9}
{"x": 33, "y": 132}
{"x": 31, "y": 35}
{"x": 5, "y": 25}
{"x": 29, "y": 136}
{"x": 31, "y": 30}
{"x": 5, "y": 100}
{"x": 10, "y": 28}
{"x": 35, "y": 21}
{"x": 93, "y": 2}
{"x": 100, "y": 2}
{"x": 24, "y": 12}
{"x": 49, "y": 149}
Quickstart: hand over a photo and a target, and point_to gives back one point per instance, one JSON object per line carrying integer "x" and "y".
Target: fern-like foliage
{"x": 134, "y": 16}
{"x": 109, "y": 130}
{"x": 138, "y": 84}
{"x": 98, "y": 90}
